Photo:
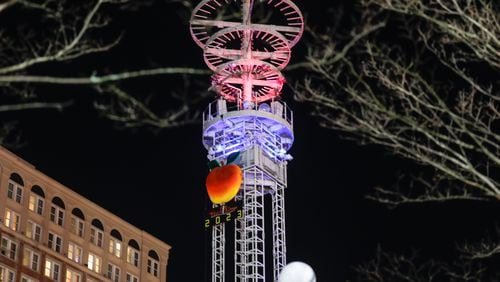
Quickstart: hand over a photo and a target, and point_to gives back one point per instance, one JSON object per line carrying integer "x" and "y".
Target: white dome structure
{"x": 297, "y": 272}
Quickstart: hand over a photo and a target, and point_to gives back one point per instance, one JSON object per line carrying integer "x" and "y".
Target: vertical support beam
{"x": 240, "y": 244}
{"x": 218, "y": 242}
{"x": 279, "y": 231}
{"x": 250, "y": 264}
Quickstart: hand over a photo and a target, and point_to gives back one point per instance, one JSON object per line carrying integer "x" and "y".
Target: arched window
{"x": 36, "y": 200}
{"x": 37, "y": 190}
{"x": 97, "y": 224}
{"x": 78, "y": 213}
{"x": 57, "y": 211}
{"x": 153, "y": 263}
{"x": 133, "y": 243}
{"x": 116, "y": 234}
{"x": 17, "y": 179}
{"x": 77, "y": 222}
{"x": 152, "y": 254}
{"x": 115, "y": 243}
{"x": 133, "y": 255}
{"x": 15, "y": 188}
{"x": 58, "y": 202}
{"x": 97, "y": 233}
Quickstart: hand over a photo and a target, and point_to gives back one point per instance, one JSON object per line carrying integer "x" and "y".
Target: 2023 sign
{"x": 226, "y": 217}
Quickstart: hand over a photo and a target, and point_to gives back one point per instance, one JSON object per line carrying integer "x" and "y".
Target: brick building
{"x": 50, "y": 233}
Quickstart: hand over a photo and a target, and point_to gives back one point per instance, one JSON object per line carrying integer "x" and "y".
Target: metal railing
{"x": 220, "y": 107}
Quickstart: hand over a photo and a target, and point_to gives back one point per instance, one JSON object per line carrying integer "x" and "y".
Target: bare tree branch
{"x": 416, "y": 190}
{"x": 387, "y": 266}
{"x": 33, "y": 106}
{"x": 93, "y": 79}
{"x": 10, "y": 136}
{"x": 6, "y": 4}
{"x": 69, "y": 48}
{"x": 129, "y": 112}
{"x": 74, "y": 30}
{"x": 381, "y": 94}
{"x": 419, "y": 78}
{"x": 472, "y": 23}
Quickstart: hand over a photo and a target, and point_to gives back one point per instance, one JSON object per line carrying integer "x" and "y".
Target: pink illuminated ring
{"x": 265, "y": 79}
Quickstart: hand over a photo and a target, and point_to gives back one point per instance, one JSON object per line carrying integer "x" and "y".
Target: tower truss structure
{"x": 247, "y": 57}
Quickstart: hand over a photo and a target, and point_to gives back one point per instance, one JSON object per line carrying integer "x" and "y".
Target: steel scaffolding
{"x": 247, "y": 59}
{"x": 218, "y": 242}
{"x": 279, "y": 238}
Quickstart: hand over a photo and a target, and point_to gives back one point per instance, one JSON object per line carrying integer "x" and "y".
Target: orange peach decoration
{"x": 223, "y": 183}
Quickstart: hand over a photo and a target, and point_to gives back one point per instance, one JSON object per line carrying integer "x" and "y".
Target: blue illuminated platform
{"x": 227, "y": 130}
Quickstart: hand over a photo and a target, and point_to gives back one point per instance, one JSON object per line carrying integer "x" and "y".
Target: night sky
{"x": 155, "y": 180}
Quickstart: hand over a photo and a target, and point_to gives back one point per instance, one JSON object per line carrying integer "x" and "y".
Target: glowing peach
{"x": 223, "y": 183}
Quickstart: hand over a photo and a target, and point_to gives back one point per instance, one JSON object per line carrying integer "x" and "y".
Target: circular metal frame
{"x": 205, "y": 19}
{"x": 266, "y": 45}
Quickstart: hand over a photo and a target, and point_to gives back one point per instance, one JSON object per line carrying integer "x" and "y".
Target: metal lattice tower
{"x": 247, "y": 58}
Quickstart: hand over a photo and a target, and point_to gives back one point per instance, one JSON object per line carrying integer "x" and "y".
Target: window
{"x": 12, "y": 219}
{"x": 54, "y": 242}
{"x": 77, "y": 226}
{"x": 75, "y": 252}
{"x": 52, "y": 269}
{"x": 36, "y": 204}
{"x": 132, "y": 278}
{"x": 57, "y": 215}
{"x": 31, "y": 259}
{"x": 9, "y": 248}
{"x": 153, "y": 266}
{"x": 113, "y": 272}
{"x": 115, "y": 247}
{"x": 73, "y": 276}
{"x": 25, "y": 278}
{"x": 33, "y": 231}
{"x": 77, "y": 222}
{"x": 96, "y": 236}
{"x": 94, "y": 263}
{"x": 6, "y": 274}
{"x": 96, "y": 232}
{"x": 15, "y": 192}
{"x": 153, "y": 263}
{"x": 133, "y": 256}
{"x": 115, "y": 243}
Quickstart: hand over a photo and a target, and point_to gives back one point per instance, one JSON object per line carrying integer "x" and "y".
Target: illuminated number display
{"x": 231, "y": 213}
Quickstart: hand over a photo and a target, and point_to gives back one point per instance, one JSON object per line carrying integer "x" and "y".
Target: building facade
{"x": 50, "y": 233}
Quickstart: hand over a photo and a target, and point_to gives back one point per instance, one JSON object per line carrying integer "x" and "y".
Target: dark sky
{"x": 155, "y": 181}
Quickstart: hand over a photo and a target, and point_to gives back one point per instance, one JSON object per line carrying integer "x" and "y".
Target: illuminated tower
{"x": 247, "y": 57}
